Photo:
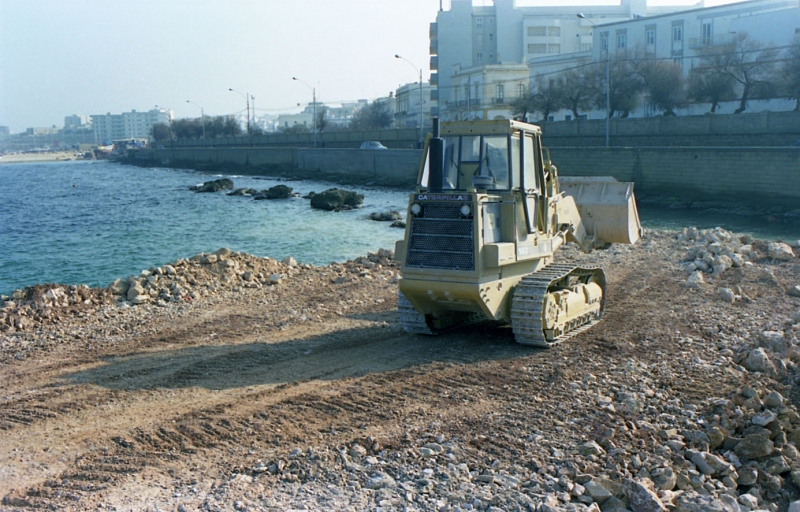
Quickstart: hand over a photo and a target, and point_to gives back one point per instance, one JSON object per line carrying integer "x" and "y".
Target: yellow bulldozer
{"x": 488, "y": 213}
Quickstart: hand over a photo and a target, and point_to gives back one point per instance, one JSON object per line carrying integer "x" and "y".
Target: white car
{"x": 372, "y": 144}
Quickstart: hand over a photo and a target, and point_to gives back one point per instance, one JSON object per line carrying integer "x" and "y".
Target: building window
{"x": 707, "y": 34}
{"x": 621, "y": 40}
{"x": 554, "y": 48}
{"x": 650, "y": 37}
{"x": 554, "y": 31}
{"x": 480, "y": 57}
{"x": 537, "y": 48}
{"x": 491, "y": 37}
{"x": 501, "y": 92}
{"x": 521, "y": 90}
{"x": 537, "y": 31}
{"x": 604, "y": 40}
{"x": 479, "y": 22}
{"x": 586, "y": 47}
{"x": 677, "y": 34}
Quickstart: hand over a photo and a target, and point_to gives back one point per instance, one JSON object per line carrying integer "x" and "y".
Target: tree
{"x": 219, "y": 126}
{"x": 322, "y": 117}
{"x": 790, "y": 74}
{"x": 709, "y": 86}
{"x": 545, "y": 99}
{"x": 748, "y": 63}
{"x": 663, "y": 83}
{"x": 624, "y": 88}
{"x": 576, "y": 92}
{"x": 161, "y": 132}
{"x": 375, "y": 116}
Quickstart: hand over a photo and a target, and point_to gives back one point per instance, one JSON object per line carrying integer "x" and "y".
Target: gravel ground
{"x": 229, "y": 382}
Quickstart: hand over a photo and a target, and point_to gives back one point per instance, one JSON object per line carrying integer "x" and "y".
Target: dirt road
{"x": 258, "y": 400}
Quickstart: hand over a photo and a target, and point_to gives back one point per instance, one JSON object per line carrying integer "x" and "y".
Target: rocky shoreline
{"x": 693, "y": 408}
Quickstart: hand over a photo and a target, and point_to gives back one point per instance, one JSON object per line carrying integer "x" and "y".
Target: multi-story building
{"x": 685, "y": 37}
{"x": 414, "y": 105}
{"x": 471, "y": 45}
{"x": 128, "y": 125}
{"x": 76, "y": 121}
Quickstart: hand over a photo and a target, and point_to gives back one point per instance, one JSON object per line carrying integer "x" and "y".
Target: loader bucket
{"x": 607, "y": 208}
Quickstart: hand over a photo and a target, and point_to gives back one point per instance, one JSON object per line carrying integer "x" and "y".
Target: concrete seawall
{"x": 760, "y": 178}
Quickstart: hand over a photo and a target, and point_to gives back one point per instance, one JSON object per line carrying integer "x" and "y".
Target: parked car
{"x": 372, "y": 144}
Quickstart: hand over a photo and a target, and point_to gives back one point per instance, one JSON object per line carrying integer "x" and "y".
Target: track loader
{"x": 488, "y": 213}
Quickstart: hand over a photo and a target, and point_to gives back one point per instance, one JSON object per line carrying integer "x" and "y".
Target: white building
{"x": 467, "y": 38}
{"x": 471, "y": 44}
{"x": 684, "y": 37}
{"x": 128, "y": 125}
{"x": 414, "y": 103}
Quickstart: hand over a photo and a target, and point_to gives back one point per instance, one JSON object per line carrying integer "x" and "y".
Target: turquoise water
{"x": 92, "y": 222}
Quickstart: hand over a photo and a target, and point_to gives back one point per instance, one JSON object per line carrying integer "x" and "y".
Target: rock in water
{"x": 336, "y": 199}
{"x": 385, "y": 216}
{"x": 214, "y": 186}
{"x": 278, "y": 192}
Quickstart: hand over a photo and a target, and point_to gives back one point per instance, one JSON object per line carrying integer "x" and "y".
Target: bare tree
{"x": 663, "y": 83}
{"x": 545, "y": 99}
{"x": 709, "y": 86}
{"x": 790, "y": 74}
{"x": 322, "y": 117}
{"x": 375, "y": 116}
{"x": 625, "y": 87}
{"x": 576, "y": 92}
{"x": 749, "y": 63}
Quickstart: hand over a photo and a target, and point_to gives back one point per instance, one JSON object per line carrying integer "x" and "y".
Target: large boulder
{"x": 214, "y": 186}
{"x": 780, "y": 251}
{"x": 336, "y": 199}
{"x": 276, "y": 192}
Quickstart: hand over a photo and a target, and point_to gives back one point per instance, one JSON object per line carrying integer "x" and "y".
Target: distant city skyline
{"x": 89, "y": 57}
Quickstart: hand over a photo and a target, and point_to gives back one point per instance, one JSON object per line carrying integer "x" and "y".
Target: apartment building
{"x": 470, "y": 46}
{"x": 475, "y": 49}
{"x": 128, "y": 125}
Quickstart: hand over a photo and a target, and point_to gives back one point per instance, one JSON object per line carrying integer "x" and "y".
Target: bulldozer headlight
{"x": 416, "y": 208}
{"x": 466, "y": 210}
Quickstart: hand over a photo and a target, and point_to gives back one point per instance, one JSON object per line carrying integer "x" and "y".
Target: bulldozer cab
{"x": 482, "y": 156}
{"x": 494, "y": 157}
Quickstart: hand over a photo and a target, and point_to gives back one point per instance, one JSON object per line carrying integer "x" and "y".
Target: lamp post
{"x": 247, "y": 101}
{"x": 420, "y": 91}
{"x": 608, "y": 83}
{"x": 202, "y": 119}
{"x": 253, "y": 103}
{"x": 314, "y": 99}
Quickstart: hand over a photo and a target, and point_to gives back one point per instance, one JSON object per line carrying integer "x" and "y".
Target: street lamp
{"x": 247, "y": 100}
{"x": 608, "y": 83}
{"x": 420, "y": 90}
{"x": 202, "y": 119}
{"x": 253, "y": 103}
{"x": 314, "y": 98}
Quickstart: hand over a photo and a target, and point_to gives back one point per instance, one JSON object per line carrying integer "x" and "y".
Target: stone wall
{"x": 754, "y": 177}
{"x": 759, "y": 178}
{"x": 760, "y": 129}
{"x": 394, "y": 138}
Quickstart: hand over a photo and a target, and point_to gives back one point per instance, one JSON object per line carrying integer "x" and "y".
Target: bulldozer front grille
{"x": 441, "y": 238}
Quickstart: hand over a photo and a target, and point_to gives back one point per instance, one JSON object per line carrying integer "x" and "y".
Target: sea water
{"x": 94, "y": 221}
{"x": 91, "y": 222}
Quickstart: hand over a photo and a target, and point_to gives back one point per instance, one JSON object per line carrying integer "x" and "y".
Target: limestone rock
{"x": 794, "y": 291}
{"x": 276, "y": 192}
{"x": 753, "y": 447}
{"x": 780, "y": 251}
{"x": 598, "y": 493}
{"x": 727, "y": 295}
{"x": 695, "y": 280}
{"x": 692, "y": 501}
{"x": 774, "y": 341}
{"x": 119, "y": 287}
{"x": 757, "y": 360}
{"x": 642, "y": 497}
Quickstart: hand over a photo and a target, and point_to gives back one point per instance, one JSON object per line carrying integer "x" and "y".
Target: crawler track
{"x": 528, "y": 301}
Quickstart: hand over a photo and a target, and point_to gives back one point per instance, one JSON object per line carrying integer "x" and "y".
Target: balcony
{"x": 434, "y": 62}
{"x": 498, "y": 101}
{"x": 709, "y": 42}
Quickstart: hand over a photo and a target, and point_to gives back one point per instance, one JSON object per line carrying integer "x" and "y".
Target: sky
{"x": 85, "y": 57}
